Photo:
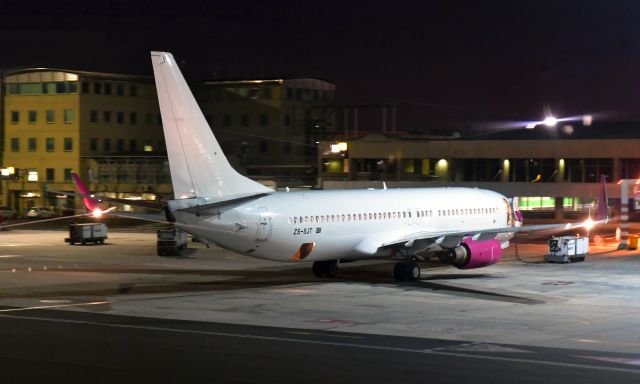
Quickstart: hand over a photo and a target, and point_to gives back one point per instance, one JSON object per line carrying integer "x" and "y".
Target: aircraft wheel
{"x": 318, "y": 268}
{"x": 400, "y": 271}
{"x": 413, "y": 271}
{"x": 325, "y": 268}
{"x": 332, "y": 268}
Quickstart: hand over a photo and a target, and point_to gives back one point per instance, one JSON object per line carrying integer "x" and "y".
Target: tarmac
{"x": 521, "y": 303}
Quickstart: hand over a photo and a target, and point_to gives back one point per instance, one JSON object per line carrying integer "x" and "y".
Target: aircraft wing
{"x": 452, "y": 238}
{"x": 155, "y": 204}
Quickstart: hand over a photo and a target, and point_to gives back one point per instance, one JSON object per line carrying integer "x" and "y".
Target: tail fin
{"x": 198, "y": 166}
{"x": 90, "y": 204}
{"x": 602, "y": 201}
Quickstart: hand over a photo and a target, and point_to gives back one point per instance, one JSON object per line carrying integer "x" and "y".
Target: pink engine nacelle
{"x": 476, "y": 254}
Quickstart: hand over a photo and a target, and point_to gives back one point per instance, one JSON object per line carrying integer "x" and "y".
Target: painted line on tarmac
{"x": 317, "y": 342}
{"x": 22, "y": 309}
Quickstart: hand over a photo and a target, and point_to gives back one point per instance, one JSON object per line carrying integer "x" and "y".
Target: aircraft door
{"x": 264, "y": 225}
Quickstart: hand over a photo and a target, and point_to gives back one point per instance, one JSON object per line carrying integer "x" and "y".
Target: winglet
{"x": 90, "y": 204}
{"x": 602, "y": 201}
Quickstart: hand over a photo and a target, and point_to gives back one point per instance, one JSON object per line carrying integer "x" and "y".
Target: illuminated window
{"x": 32, "y": 175}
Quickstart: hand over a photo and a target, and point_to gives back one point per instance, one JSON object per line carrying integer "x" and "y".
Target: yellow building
{"x": 105, "y": 127}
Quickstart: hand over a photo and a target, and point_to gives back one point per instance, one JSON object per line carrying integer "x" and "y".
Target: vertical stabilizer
{"x": 198, "y": 166}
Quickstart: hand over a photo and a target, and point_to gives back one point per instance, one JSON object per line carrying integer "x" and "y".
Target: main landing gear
{"x": 325, "y": 268}
{"x": 409, "y": 271}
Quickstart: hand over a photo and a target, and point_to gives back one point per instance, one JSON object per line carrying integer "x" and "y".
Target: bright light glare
{"x": 588, "y": 224}
{"x": 97, "y": 212}
{"x": 531, "y": 125}
{"x": 550, "y": 121}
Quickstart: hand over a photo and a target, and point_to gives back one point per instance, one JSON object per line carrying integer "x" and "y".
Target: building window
{"x": 133, "y": 90}
{"x": 31, "y": 144}
{"x": 226, "y": 120}
{"x": 15, "y": 117}
{"x": 133, "y": 118}
{"x": 133, "y": 144}
{"x": 120, "y": 89}
{"x": 68, "y": 116}
{"x": 85, "y": 87}
{"x": 289, "y": 93}
{"x": 93, "y": 116}
{"x": 107, "y": 88}
{"x": 15, "y": 144}
{"x": 32, "y": 175}
{"x": 97, "y": 88}
{"x": 106, "y": 145}
{"x": 120, "y": 117}
{"x": 120, "y": 145}
{"x": 51, "y": 116}
{"x": 67, "y": 174}
{"x": 68, "y": 144}
{"x": 51, "y": 174}
{"x": 245, "y": 120}
{"x": 33, "y": 117}
{"x": 264, "y": 146}
{"x": 51, "y": 144}
{"x": 264, "y": 119}
{"x": 93, "y": 144}
{"x": 106, "y": 116}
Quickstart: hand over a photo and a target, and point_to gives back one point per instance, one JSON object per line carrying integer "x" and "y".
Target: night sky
{"x": 447, "y": 64}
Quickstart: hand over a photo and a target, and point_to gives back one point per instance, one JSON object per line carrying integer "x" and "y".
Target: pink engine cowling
{"x": 477, "y": 254}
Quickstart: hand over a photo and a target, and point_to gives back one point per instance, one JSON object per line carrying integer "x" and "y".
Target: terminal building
{"x": 269, "y": 129}
{"x": 551, "y": 169}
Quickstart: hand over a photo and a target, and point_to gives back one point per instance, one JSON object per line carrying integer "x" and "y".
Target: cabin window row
{"x": 387, "y": 215}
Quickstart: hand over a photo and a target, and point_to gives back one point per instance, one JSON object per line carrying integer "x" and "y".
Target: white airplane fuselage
{"x": 336, "y": 222}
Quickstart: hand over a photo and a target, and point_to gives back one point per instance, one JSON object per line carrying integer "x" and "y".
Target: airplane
{"x": 90, "y": 203}
{"x": 465, "y": 227}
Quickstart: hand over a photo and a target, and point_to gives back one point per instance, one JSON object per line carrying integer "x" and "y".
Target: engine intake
{"x": 476, "y": 254}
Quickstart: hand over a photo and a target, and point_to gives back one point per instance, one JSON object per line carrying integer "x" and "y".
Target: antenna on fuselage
{"x": 384, "y": 185}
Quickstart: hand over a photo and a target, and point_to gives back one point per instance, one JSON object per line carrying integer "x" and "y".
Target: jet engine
{"x": 475, "y": 254}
